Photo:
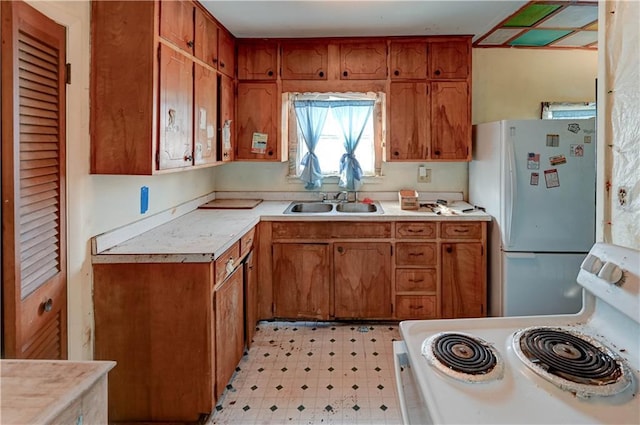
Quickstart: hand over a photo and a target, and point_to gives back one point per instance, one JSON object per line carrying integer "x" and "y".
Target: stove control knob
{"x": 592, "y": 264}
{"x": 610, "y": 273}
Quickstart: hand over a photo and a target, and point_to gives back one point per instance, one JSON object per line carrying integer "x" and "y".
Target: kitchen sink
{"x": 355, "y": 207}
{"x": 308, "y": 207}
{"x": 318, "y": 207}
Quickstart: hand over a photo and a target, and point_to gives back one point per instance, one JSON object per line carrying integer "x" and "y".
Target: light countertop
{"x": 38, "y": 391}
{"x": 202, "y": 235}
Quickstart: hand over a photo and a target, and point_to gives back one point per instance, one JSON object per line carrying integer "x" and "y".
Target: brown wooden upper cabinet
{"x": 258, "y": 121}
{"x": 206, "y": 39}
{"x": 450, "y": 121}
{"x": 257, "y": 60}
{"x": 304, "y": 61}
{"x": 410, "y": 121}
{"x": 145, "y": 76}
{"x": 226, "y": 53}
{"x": 363, "y": 60}
{"x": 176, "y": 23}
{"x": 226, "y": 124}
{"x": 450, "y": 59}
{"x": 408, "y": 59}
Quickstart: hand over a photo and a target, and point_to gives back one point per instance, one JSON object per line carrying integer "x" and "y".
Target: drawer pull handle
{"x": 416, "y": 307}
{"x": 415, "y": 230}
{"x": 47, "y": 305}
{"x": 461, "y": 230}
{"x": 416, "y": 280}
{"x": 416, "y": 254}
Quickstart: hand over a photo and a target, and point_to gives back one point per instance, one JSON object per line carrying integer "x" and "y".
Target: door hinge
{"x": 67, "y": 73}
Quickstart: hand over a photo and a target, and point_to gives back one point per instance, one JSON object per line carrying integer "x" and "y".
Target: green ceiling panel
{"x": 539, "y": 38}
{"x": 530, "y": 15}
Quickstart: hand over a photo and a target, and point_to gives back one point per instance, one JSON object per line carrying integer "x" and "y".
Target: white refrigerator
{"x": 537, "y": 179}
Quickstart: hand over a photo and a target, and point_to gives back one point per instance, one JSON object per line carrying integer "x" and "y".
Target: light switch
{"x": 424, "y": 174}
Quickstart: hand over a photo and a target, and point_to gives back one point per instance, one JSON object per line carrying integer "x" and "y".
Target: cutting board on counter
{"x": 221, "y": 204}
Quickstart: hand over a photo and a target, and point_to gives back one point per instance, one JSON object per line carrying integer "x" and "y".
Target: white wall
{"x": 96, "y": 204}
{"x": 621, "y": 65}
{"x": 511, "y": 83}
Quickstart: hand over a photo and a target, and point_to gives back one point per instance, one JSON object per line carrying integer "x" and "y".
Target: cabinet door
{"x": 304, "y": 61}
{"x": 226, "y": 53}
{"x": 451, "y": 121}
{"x": 229, "y": 319}
{"x": 409, "y": 112}
{"x": 408, "y": 59}
{"x": 176, "y": 23}
{"x": 362, "y": 279}
{"x": 176, "y": 115}
{"x": 449, "y": 59}
{"x": 301, "y": 280}
{"x": 258, "y": 117}
{"x": 463, "y": 284}
{"x": 257, "y": 61}
{"x": 363, "y": 61}
{"x": 206, "y": 39}
{"x": 226, "y": 123}
{"x": 205, "y": 105}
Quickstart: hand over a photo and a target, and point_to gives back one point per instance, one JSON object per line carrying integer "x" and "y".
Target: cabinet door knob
{"x": 340, "y": 249}
{"x": 47, "y": 305}
{"x": 270, "y": 73}
{"x": 221, "y": 64}
{"x": 188, "y": 158}
{"x": 270, "y": 153}
{"x": 345, "y": 73}
{"x": 396, "y": 153}
{"x": 190, "y": 43}
{"x": 437, "y": 72}
{"x": 449, "y": 249}
{"x": 436, "y": 152}
{"x": 396, "y": 72}
{"x": 321, "y": 74}
{"x": 214, "y": 60}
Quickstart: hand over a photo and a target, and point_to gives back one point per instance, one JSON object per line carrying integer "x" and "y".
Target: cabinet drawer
{"x": 415, "y": 230}
{"x": 416, "y": 280}
{"x": 460, "y": 230}
{"x": 230, "y": 256}
{"x": 416, "y": 307}
{"x": 416, "y": 254}
{"x": 246, "y": 242}
{"x": 331, "y": 230}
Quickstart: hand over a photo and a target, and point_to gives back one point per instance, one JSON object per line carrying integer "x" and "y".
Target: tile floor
{"x": 314, "y": 373}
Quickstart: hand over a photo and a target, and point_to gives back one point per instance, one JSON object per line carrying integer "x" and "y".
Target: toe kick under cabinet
{"x": 176, "y": 330}
{"x": 375, "y": 270}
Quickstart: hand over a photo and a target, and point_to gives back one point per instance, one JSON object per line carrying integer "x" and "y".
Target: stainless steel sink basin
{"x": 308, "y": 207}
{"x": 318, "y": 207}
{"x": 354, "y": 207}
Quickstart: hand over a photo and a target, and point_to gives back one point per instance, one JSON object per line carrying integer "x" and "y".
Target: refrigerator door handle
{"x": 511, "y": 185}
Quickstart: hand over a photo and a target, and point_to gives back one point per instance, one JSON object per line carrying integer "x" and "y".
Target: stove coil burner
{"x": 463, "y": 357}
{"x": 572, "y": 361}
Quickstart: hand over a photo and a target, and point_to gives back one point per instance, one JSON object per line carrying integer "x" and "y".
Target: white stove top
{"x": 521, "y": 395}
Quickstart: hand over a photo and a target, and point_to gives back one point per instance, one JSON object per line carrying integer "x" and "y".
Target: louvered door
{"x": 33, "y": 182}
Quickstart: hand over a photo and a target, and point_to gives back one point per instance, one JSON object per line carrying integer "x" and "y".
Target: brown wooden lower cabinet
{"x": 362, "y": 280}
{"x": 377, "y": 270}
{"x": 229, "y": 325}
{"x": 302, "y": 279}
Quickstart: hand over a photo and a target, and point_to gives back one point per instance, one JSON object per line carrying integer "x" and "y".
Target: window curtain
{"x": 311, "y": 115}
{"x": 352, "y": 116}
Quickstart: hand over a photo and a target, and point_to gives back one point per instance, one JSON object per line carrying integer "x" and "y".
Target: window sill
{"x": 336, "y": 179}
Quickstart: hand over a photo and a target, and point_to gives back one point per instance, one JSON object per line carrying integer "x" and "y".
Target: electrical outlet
{"x": 424, "y": 174}
{"x": 623, "y": 197}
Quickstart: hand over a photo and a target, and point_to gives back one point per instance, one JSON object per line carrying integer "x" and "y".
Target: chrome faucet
{"x": 344, "y": 194}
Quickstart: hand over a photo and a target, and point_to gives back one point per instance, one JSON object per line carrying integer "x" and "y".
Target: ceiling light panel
{"x": 579, "y": 39}
{"x": 572, "y": 16}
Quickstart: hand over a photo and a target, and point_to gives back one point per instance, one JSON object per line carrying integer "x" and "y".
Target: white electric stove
{"x": 568, "y": 369}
